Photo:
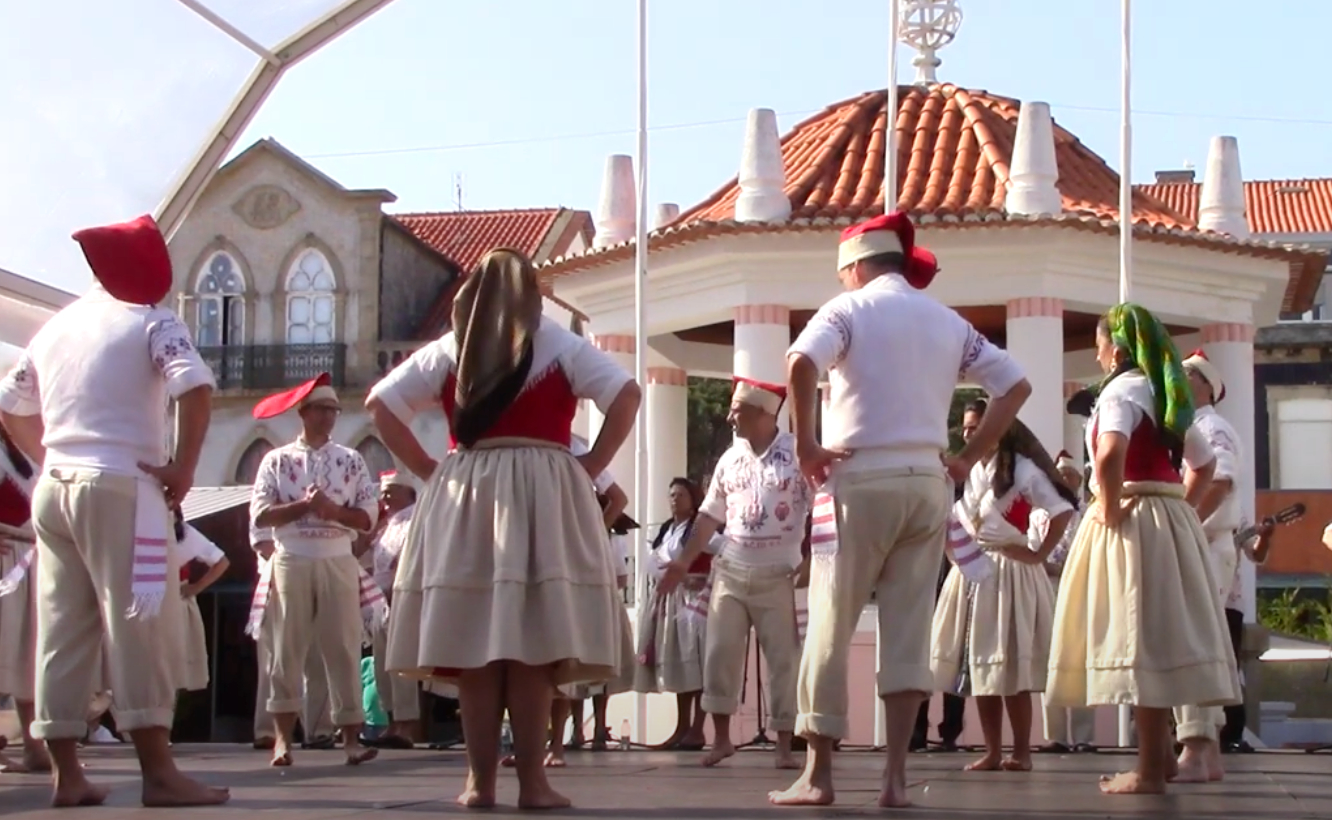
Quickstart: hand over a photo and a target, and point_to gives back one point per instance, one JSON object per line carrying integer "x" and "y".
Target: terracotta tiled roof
{"x": 955, "y": 146}
{"x": 466, "y": 236}
{"x": 1273, "y": 206}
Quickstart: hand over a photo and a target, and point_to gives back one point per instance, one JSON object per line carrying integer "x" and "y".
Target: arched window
{"x": 310, "y": 287}
{"x": 220, "y": 294}
{"x": 376, "y": 455}
{"x": 248, "y": 466}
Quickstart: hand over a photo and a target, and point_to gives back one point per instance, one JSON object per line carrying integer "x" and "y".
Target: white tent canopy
{"x": 134, "y": 113}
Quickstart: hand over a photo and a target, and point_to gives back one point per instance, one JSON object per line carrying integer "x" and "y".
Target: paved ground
{"x": 664, "y": 786}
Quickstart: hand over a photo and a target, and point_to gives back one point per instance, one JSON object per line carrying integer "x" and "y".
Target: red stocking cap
{"x": 130, "y": 260}
{"x": 889, "y": 233}
{"x": 763, "y": 395}
{"x": 1197, "y": 360}
{"x": 319, "y": 388}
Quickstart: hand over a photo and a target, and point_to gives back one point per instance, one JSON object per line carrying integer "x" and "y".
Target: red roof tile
{"x": 954, "y": 148}
{"x": 1273, "y": 206}
{"x": 466, "y": 236}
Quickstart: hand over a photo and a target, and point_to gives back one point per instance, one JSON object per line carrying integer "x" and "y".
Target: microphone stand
{"x": 760, "y": 739}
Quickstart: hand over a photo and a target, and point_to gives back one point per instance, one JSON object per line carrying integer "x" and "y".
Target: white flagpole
{"x": 640, "y": 354}
{"x": 1125, "y": 231}
{"x": 889, "y": 204}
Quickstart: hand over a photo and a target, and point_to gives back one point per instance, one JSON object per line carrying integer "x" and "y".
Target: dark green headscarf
{"x": 1151, "y": 350}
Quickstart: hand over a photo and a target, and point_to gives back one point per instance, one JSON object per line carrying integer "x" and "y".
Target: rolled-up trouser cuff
{"x": 832, "y": 726}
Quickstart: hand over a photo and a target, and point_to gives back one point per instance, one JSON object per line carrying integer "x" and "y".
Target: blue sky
{"x": 525, "y": 98}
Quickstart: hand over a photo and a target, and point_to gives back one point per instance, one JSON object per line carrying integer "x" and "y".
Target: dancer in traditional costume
{"x": 1198, "y": 728}
{"x": 893, "y": 356}
{"x": 672, "y": 628}
{"x": 316, "y": 494}
{"x": 506, "y": 586}
{"x": 398, "y": 696}
{"x": 1066, "y": 729}
{"x": 18, "y": 613}
{"x": 996, "y": 633}
{"x": 758, "y": 493}
{"x": 316, "y": 724}
{"x": 192, "y": 546}
{"x": 92, "y": 389}
{"x": 1138, "y": 620}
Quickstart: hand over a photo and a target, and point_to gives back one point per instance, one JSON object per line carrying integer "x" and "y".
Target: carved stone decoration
{"x": 266, "y": 206}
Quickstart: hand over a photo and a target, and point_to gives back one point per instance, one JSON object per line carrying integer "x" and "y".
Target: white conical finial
{"x": 762, "y": 177}
{"x": 615, "y": 216}
{"x": 1033, "y": 172}
{"x": 1221, "y": 200}
{"x": 927, "y": 26}
{"x": 666, "y": 214}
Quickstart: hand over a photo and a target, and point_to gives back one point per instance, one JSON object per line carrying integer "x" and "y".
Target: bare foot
{"x": 554, "y": 760}
{"x": 893, "y": 795}
{"x": 178, "y": 791}
{"x": 508, "y": 761}
{"x": 786, "y": 760}
{"x": 721, "y": 750}
{"x": 542, "y": 797}
{"x": 989, "y": 763}
{"x": 803, "y": 792}
{"x": 82, "y": 793}
{"x": 281, "y": 757}
{"x": 1190, "y": 768}
{"x": 357, "y": 755}
{"x": 1131, "y": 783}
{"x": 475, "y": 797}
{"x": 1013, "y": 763}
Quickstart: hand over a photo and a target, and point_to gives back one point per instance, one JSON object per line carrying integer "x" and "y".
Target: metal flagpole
{"x": 889, "y": 205}
{"x": 1125, "y": 231}
{"x": 640, "y": 353}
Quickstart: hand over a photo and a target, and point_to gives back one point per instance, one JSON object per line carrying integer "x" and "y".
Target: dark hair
{"x": 1020, "y": 441}
{"x": 977, "y": 406}
{"x": 21, "y": 464}
{"x": 178, "y": 519}
{"x": 695, "y": 497}
{"x": 890, "y": 262}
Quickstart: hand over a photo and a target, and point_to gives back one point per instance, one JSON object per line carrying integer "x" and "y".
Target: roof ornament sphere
{"x": 927, "y": 26}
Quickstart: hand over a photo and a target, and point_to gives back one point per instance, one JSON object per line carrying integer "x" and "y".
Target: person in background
{"x": 18, "y": 603}
{"x": 678, "y": 641}
{"x": 1256, "y": 549}
{"x": 192, "y": 545}
{"x": 1066, "y": 729}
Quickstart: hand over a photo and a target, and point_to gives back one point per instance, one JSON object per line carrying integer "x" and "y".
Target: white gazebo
{"x": 1023, "y": 218}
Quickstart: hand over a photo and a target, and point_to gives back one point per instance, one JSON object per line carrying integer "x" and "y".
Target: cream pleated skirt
{"x": 1012, "y": 617}
{"x": 18, "y": 635}
{"x": 1137, "y": 618}
{"x": 195, "y": 670}
{"x": 624, "y": 676}
{"x": 670, "y": 649}
{"x": 507, "y": 558}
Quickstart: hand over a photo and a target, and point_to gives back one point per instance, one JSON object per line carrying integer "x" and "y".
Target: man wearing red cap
{"x": 315, "y": 494}
{"x": 1219, "y": 510}
{"x": 758, "y": 493}
{"x": 893, "y": 357}
{"x": 88, "y": 399}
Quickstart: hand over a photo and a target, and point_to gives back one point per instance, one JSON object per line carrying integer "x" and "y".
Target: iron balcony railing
{"x": 269, "y": 367}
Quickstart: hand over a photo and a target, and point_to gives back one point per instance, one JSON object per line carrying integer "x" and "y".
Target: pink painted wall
{"x": 662, "y": 711}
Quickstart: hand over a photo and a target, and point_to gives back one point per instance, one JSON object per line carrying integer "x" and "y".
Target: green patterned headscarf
{"x": 1151, "y": 350}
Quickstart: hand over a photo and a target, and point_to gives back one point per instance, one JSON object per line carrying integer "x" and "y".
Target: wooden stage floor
{"x": 666, "y": 785}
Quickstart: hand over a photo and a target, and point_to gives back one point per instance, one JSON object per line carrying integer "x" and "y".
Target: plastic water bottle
{"x": 506, "y": 738}
{"x": 624, "y": 735}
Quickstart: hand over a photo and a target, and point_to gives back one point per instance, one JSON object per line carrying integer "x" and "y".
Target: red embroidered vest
{"x": 1148, "y": 458}
{"x": 543, "y": 411}
{"x": 1019, "y": 513}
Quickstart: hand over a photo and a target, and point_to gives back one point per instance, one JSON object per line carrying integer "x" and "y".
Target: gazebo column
{"x": 1036, "y": 339}
{"x": 1075, "y": 427}
{"x": 762, "y": 335}
{"x": 1230, "y": 348}
{"x": 621, "y": 348}
{"x": 668, "y": 432}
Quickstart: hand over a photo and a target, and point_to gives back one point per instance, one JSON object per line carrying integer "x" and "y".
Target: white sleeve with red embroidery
{"x": 1223, "y": 445}
{"x": 415, "y": 385}
{"x": 1198, "y": 450}
{"x": 365, "y": 491}
{"x": 592, "y": 374}
{"x": 987, "y": 365}
{"x": 19, "y": 395}
{"x": 267, "y": 488}
{"x": 714, "y": 503}
{"x": 826, "y": 337}
{"x": 173, "y": 352}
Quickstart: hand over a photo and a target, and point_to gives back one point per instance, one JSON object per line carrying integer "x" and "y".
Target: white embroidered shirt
{"x": 287, "y": 473}
{"x": 763, "y": 500}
